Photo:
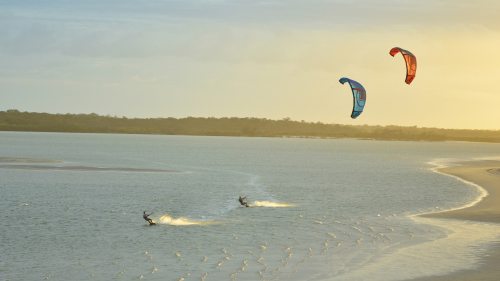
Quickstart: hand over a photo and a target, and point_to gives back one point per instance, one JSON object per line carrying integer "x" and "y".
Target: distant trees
{"x": 14, "y": 120}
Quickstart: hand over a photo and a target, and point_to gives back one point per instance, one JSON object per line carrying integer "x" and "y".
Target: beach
{"x": 487, "y": 175}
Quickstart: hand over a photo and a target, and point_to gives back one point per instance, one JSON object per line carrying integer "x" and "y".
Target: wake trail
{"x": 168, "y": 220}
{"x": 270, "y": 204}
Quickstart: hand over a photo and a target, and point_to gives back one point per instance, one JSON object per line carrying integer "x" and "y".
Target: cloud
{"x": 231, "y": 30}
{"x": 290, "y": 12}
{"x": 35, "y": 39}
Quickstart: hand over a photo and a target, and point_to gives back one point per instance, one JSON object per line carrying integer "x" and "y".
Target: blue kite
{"x": 359, "y": 96}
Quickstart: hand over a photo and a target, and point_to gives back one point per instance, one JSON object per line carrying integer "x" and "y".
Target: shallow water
{"x": 321, "y": 209}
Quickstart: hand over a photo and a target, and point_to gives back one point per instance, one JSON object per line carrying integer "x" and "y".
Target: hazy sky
{"x": 248, "y": 58}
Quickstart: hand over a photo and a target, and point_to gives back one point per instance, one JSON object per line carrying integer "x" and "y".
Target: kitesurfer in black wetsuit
{"x": 243, "y": 203}
{"x": 145, "y": 216}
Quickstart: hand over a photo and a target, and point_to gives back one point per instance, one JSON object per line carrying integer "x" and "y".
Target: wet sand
{"x": 487, "y": 175}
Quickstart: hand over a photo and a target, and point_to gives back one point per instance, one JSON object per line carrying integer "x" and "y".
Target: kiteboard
{"x": 152, "y": 223}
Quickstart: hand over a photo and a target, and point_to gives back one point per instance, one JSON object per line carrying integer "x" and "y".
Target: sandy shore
{"x": 487, "y": 175}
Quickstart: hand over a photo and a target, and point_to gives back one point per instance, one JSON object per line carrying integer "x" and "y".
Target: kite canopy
{"x": 359, "y": 96}
{"x": 411, "y": 63}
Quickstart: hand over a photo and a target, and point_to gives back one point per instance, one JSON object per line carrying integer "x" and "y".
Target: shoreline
{"x": 486, "y": 174}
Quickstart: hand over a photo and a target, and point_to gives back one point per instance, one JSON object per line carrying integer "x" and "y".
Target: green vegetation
{"x": 14, "y": 120}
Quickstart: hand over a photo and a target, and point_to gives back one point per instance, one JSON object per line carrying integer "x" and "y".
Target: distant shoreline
{"x": 487, "y": 175}
{"x": 16, "y": 121}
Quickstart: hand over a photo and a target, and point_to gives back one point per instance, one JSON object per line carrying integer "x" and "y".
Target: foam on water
{"x": 166, "y": 219}
{"x": 270, "y": 204}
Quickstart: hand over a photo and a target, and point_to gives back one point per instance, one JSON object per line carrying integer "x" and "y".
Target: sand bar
{"x": 85, "y": 169}
{"x": 487, "y": 175}
{"x": 26, "y": 160}
{"x": 12, "y": 163}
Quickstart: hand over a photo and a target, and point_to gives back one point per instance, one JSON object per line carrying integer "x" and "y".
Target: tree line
{"x": 14, "y": 120}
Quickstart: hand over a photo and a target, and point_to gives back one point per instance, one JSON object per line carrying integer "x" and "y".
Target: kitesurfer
{"x": 145, "y": 216}
{"x": 242, "y": 202}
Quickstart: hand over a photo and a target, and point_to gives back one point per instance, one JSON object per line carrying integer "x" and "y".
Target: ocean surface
{"x": 321, "y": 209}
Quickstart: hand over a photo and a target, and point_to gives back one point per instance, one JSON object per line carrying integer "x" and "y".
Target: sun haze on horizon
{"x": 265, "y": 59}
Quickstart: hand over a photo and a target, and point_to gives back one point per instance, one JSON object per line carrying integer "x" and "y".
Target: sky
{"x": 249, "y": 58}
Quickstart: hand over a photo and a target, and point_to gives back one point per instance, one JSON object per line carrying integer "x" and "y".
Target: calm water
{"x": 321, "y": 209}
